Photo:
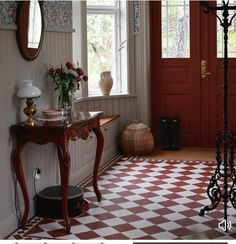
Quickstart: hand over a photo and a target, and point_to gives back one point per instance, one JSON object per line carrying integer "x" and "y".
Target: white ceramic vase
{"x": 106, "y": 83}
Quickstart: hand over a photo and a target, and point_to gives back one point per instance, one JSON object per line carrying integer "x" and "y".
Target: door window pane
{"x": 231, "y": 34}
{"x": 175, "y": 29}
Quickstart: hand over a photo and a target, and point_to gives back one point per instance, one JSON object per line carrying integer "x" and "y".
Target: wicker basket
{"x": 137, "y": 139}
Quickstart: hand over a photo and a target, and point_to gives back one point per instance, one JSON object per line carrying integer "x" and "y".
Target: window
{"x": 106, "y": 44}
{"x": 175, "y": 28}
{"x": 231, "y": 34}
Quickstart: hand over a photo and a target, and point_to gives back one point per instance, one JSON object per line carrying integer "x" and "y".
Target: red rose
{"x": 58, "y": 71}
{"x": 51, "y": 71}
{"x": 79, "y": 71}
{"x": 69, "y": 65}
{"x": 85, "y": 78}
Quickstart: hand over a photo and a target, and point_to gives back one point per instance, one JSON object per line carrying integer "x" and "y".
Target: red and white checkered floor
{"x": 143, "y": 199}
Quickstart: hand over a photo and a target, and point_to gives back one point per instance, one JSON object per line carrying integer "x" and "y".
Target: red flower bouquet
{"x": 66, "y": 79}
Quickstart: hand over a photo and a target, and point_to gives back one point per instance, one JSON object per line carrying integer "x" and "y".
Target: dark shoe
{"x": 175, "y": 133}
{"x": 165, "y": 129}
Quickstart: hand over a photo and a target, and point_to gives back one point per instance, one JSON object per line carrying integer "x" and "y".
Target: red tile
{"x": 136, "y": 181}
{"x": 125, "y": 193}
{"x": 137, "y": 209}
{"x": 118, "y": 200}
{"x": 173, "y": 196}
{"x": 181, "y": 232}
{"x": 194, "y": 205}
{"x": 186, "y": 221}
{"x": 145, "y": 238}
{"x": 131, "y": 218}
{"x": 124, "y": 227}
{"x": 131, "y": 187}
{"x": 104, "y": 216}
{"x": 149, "y": 194}
{"x": 163, "y": 211}
{"x": 168, "y": 203}
{"x": 57, "y": 233}
{"x": 154, "y": 229}
{"x": 111, "y": 208}
{"x": 96, "y": 225}
{"x": 143, "y": 202}
{"x": 190, "y": 213}
{"x": 158, "y": 220}
{"x": 118, "y": 236}
{"x": 87, "y": 235}
{"x": 34, "y": 230}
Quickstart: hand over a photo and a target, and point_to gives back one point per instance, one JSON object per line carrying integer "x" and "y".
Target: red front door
{"x": 177, "y": 86}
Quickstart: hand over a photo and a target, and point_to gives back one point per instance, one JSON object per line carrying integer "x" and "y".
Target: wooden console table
{"x": 77, "y": 125}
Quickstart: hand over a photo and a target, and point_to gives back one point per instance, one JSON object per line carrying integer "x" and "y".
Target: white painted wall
{"x": 56, "y": 49}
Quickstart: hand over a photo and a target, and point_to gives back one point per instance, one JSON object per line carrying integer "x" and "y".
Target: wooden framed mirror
{"x": 30, "y": 28}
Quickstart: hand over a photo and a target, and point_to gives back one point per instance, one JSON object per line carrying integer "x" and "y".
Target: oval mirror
{"x": 30, "y": 28}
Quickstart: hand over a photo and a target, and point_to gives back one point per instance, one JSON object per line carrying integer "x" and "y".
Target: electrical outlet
{"x": 36, "y": 173}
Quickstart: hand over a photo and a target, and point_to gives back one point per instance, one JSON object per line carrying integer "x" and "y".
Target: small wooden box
{"x": 49, "y": 202}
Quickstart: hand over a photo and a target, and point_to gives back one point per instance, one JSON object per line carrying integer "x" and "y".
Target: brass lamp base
{"x": 30, "y": 111}
{"x": 30, "y": 122}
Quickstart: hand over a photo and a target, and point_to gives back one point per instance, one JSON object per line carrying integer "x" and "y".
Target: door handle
{"x": 204, "y": 72}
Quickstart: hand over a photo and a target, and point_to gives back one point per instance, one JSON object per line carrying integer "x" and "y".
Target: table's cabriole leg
{"x": 17, "y": 165}
{"x": 64, "y": 162}
{"x": 99, "y": 149}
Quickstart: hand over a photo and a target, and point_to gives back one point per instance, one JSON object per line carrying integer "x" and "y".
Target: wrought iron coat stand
{"x": 225, "y": 170}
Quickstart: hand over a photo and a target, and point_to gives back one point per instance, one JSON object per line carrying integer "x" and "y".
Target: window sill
{"x": 113, "y": 96}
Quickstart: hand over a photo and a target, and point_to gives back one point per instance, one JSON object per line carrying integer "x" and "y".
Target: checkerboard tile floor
{"x": 143, "y": 199}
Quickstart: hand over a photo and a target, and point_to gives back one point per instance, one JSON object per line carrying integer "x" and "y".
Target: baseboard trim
{"x": 10, "y": 224}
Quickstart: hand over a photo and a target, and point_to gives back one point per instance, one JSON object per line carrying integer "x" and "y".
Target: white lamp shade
{"x": 28, "y": 90}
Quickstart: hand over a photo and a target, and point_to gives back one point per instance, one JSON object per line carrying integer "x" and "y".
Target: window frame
{"x": 120, "y": 58}
{"x": 115, "y": 11}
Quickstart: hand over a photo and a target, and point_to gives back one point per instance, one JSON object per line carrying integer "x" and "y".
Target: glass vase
{"x": 65, "y": 101}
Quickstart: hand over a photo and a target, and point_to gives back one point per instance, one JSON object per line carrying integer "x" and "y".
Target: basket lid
{"x": 137, "y": 127}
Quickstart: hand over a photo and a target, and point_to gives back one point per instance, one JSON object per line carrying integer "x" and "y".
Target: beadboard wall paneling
{"x": 56, "y": 49}
{"x": 125, "y": 107}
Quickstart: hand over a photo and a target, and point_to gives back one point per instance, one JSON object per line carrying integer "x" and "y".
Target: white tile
{"x": 147, "y": 215}
{"x": 106, "y": 231}
{"x": 50, "y": 226}
{"x": 153, "y": 206}
{"x": 182, "y": 200}
{"x": 121, "y": 213}
{"x": 174, "y": 216}
{"x": 164, "y": 236}
{"x": 178, "y": 208}
{"x": 145, "y": 184}
{"x": 117, "y": 189}
{"x": 88, "y": 219}
{"x": 67, "y": 237}
{"x": 104, "y": 203}
{"x": 110, "y": 196}
{"x": 141, "y": 224}
{"x": 169, "y": 226}
{"x": 134, "y": 197}
{"x": 128, "y": 178}
{"x": 94, "y": 211}
{"x": 79, "y": 229}
{"x": 123, "y": 183}
{"x": 41, "y": 234}
{"x": 158, "y": 199}
{"x": 139, "y": 191}
{"x": 128, "y": 204}
{"x": 134, "y": 234}
{"x": 114, "y": 221}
